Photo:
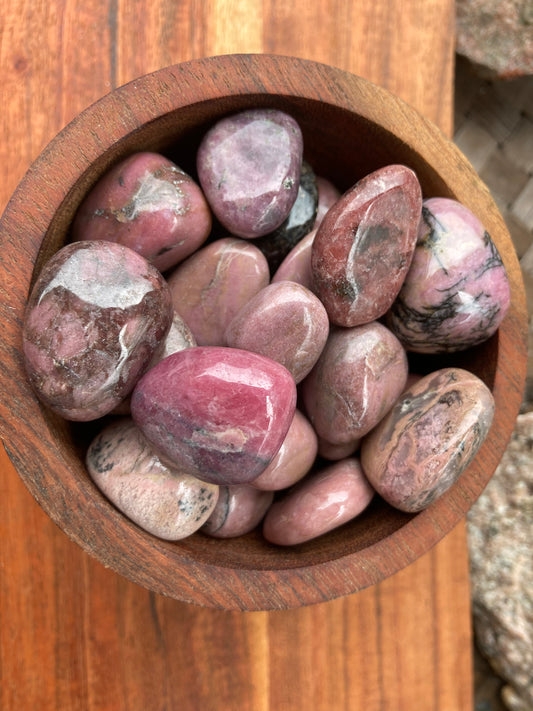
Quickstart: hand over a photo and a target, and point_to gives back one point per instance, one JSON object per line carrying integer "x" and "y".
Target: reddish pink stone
{"x": 327, "y": 197}
{"x": 238, "y": 511}
{"x": 148, "y": 204}
{"x": 211, "y": 287}
{"x": 335, "y": 452}
{"x": 218, "y": 413}
{"x": 318, "y": 504}
{"x": 297, "y": 264}
{"x": 364, "y": 246}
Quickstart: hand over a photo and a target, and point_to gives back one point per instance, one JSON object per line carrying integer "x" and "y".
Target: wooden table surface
{"x": 74, "y": 635}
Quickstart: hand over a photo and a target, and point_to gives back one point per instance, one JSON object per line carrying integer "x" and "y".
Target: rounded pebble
{"x": 456, "y": 292}
{"x": 213, "y": 285}
{"x": 94, "y": 320}
{"x": 318, "y": 504}
{"x": 364, "y": 246}
{"x": 327, "y": 197}
{"x": 428, "y": 438}
{"x": 297, "y": 264}
{"x": 238, "y": 511}
{"x": 220, "y": 414}
{"x": 165, "y": 502}
{"x": 335, "y": 452}
{"x": 249, "y": 168}
{"x": 149, "y": 204}
{"x": 284, "y": 321}
{"x": 358, "y": 377}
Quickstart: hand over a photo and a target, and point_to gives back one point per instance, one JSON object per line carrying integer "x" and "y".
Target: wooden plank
{"x": 77, "y": 636}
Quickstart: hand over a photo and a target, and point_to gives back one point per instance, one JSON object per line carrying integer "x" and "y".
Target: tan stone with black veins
{"x": 429, "y": 437}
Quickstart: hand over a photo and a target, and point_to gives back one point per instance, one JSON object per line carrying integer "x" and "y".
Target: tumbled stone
{"x": 364, "y": 246}
{"x": 165, "y": 502}
{"x": 335, "y": 452}
{"x": 294, "y": 459}
{"x": 212, "y": 286}
{"x": 297, "y": 264}
{"x": 456, "y": 292}
{"x": 284, "y": 321}
{"x": 95, "y": 317}
{"x": 318, "y": 504}
{"x": 357, "y": 379}
{"x": 220, "y": 414}
{"x": 328, "y": 195}
{"x": 149, "y": 204}
{"x": 238, "y": 511}
{"x": 277, "y": 245}
{"x": 428, "y": 438}
{"x": 249, "y": 168}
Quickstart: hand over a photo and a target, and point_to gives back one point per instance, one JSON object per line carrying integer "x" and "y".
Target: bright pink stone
{"x": 220, "y": 414}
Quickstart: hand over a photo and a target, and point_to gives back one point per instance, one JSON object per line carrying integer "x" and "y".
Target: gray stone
{"x": 501, "y": 560}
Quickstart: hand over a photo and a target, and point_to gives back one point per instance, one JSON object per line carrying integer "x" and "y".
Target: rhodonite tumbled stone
{"x": 297, "y": 264}
{"x": 239, "y": 510}
{"x": 249, "y": 168}
{"x": 217, "y": 413}
{"x": 318, "y": 504}
{"x": 364, "y": 246}
{"x": 357, "y": 379}
{"x": 95, "y": 318}
{"x": 165, "y": 502}
{"x": 149, "y": 204}
{"x": 456, "y": 292}
{"x": 284, "y": 321}
{"x": 428, "y": 438}
{"x": 212, "y": 286}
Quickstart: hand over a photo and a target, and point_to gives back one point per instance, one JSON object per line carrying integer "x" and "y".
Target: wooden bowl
{"x": 350, "y": 128}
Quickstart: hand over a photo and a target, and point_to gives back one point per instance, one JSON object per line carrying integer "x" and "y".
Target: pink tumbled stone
{"x": 428, "y": 438}
{"x": 358, "y": 377}
{"x": 213, "y": 285}
{"x": 327, "y": 197}
{"x": 220, "y": 414}
{"x": 335, "y": 452}
{"x": 456, "y": 292}
{"x": 318, "y": 504}
{"x": 297, "y": 264}
{"x": 94, "y": 320}
{"x": 165, "y": 502}
{"x": 238, "y": 511}
{"x": 284, "y": 321}
{"x": 149, "y": 204}
{"x": 364, "y": 246}
{"x": 249, "y": 167}
{"x": 294, "y": 459}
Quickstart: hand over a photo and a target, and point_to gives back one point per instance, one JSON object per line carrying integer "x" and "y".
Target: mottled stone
{"x": 238, "y": 511}
{"x": 277, "y": 245}
{"x": 95, "y": 317}
{"x": 149, "y": 204}
{"x": 217, "y": 413}
{"x": 501, "y": 568}
{"x": 165, "y": 502}
{"x": 358, "y": 377}
{"x": 456, "y": 292}
{"x": 284, "y": 321}
{"x": 297, "y": 264}
{"x": 249, "y": 168}
{"x": 320, "y": 503}
{"x": 213, "y": 285}
{"x": 429, "y": 437}
{"x": 327, "y": 197}
{"x": 335, "y": 452}
{"x": 364, "y": 246}
{"x": 294, "y": 459}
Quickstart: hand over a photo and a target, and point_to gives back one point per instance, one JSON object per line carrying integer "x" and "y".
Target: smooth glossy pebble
{"x": 238, "y": 511}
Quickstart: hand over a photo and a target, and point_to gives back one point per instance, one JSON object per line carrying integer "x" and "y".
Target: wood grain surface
{"x": 77, "y": 636}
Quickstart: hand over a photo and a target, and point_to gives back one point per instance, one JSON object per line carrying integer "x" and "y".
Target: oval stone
{"x": 335, "y": 452}
{"x": 238, "y": 511}
{"x": 318, "y": 504}
{"x": 165, "y": 502}
{"x": 364, "y": 246}
{"x": 249, "y": 168}
{"x": 297, "y": 264}
{"x": 358, "y": 377}
{"x": 149, "y": 204}
{"x": 212, "y": 286}
{"x": 328, "y": 195}
{"x": 294, "y": 459}
{"x": 220, "y": 414}
{"x": 428, "y": 438}
{"x": 284, "y": 321}
{"x": 95, "y": 318}
{"x": 456, "y": 292}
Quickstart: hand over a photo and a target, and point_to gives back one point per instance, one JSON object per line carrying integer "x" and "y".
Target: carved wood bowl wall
{"x": 350, "y": 128}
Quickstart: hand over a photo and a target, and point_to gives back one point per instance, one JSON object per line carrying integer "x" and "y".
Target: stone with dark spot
{"x": 238, "y": 511}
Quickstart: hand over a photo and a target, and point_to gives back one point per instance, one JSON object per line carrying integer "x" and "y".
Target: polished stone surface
{"x": 239, "y": 510}
{"x": 297, "y": 264}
